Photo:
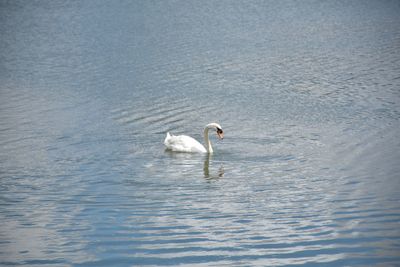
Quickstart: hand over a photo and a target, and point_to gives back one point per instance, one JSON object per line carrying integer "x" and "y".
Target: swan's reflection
{"x": 206, "y": 169}
{"x": 188, "y": 159}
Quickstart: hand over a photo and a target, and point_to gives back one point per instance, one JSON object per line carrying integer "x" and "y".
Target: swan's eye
{"x": 219, "y": 130}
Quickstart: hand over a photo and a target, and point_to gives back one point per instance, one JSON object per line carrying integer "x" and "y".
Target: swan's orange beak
{"x": 220, "y": 134}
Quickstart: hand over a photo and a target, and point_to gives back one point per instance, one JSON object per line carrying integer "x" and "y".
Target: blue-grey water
{"x": 308, "y": 95}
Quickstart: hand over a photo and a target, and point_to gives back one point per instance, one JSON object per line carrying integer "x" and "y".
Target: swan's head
{"x": 220, "y": 133}
{"x": 217, "y": 128}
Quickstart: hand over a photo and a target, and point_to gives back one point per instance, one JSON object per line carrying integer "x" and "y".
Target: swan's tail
{"x": 166, "y": 138}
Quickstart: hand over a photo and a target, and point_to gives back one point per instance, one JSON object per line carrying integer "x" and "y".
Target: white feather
{"x": 183, "y": 143}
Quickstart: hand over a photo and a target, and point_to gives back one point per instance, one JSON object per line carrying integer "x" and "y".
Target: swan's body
{"x": 184, "y": 143}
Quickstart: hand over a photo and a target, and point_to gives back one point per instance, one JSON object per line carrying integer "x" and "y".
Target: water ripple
{"x": 307, "y": 94}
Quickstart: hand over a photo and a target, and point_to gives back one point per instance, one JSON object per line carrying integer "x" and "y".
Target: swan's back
{"x": 183, "y": 143}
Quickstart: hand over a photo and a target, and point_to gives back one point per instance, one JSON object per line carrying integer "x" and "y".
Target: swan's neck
{"x": 207, "y": 142}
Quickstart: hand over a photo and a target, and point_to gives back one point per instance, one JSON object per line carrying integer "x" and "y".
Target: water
{"x": 308, "y": 95}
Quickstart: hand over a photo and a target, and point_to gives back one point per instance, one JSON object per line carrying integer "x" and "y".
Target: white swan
{"x": 184, "y": 143}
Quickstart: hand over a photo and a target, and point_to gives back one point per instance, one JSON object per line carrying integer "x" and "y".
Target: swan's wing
{"x": 183, "y": 143}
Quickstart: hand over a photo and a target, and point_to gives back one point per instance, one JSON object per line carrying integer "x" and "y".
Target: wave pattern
{"x": 308, "y": 96}
{"x": 162, "y": 116}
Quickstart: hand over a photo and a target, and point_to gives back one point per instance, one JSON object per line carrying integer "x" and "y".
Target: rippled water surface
{"x": 308, "y": 95}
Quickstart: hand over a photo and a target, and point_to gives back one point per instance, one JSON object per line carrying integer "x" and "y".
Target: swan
{"x": 184, "y": 143}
